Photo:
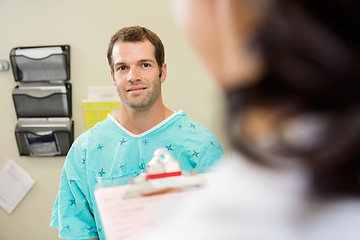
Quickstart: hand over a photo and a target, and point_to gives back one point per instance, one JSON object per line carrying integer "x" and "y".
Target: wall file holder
{"x": 42, "y": 100}
{"x": 44, "y": 63}
{"x": 44, "y": 136}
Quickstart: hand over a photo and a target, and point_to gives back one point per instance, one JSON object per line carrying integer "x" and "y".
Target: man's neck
{"x": 138, "y": 121}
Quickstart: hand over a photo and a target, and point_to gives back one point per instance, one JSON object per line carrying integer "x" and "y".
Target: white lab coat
{"x": 247, "y": 201}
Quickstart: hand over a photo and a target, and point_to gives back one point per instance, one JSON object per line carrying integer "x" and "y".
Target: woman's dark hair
{"x": 311, "y": 50}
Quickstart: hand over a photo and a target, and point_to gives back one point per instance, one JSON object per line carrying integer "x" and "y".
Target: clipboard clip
{"x": 163, "y": 175}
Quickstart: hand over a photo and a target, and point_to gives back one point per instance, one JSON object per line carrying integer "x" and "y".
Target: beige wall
{"x": 87, "y": 26}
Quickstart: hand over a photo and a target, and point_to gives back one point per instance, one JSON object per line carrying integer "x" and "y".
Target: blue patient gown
{"x": 109, "y": 151}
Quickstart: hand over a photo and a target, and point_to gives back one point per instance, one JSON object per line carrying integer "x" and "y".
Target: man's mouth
{"x": 135, "y": 90}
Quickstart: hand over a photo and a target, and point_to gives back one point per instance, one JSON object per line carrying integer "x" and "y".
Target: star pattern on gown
{"x": 192, "y": 126}
{"x": 212, "y": 143}
{"x": 145, "y": 142}
{"x": 102, "y": 173}
{"x": 142, "y": 166}
{"x": 92, "y": 208}
{"x": 72, "y": 202}
{"x": 169, "y": 147}
{"x": 122, "y": 166}
{"x": 100, "y": 147}
{"x": 84, "y": 156}
{"x": 91, "y": 229}
{"x": 122, "y": 141}
{"x": 67, "y": 227}
{"x": 93, "y": 129}
{"x": 179, "y": 126}
{"x": 195, "y": 154}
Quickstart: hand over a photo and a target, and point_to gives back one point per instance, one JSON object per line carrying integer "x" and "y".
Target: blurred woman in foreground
{"x": 290, "y": 71}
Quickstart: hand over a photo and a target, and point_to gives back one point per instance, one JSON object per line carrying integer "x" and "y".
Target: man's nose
{"x": 133, "y": 75}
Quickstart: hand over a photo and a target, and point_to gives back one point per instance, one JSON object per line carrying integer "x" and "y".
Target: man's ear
{"x": 112, "y": 76}
{"x": 163, "y": 72}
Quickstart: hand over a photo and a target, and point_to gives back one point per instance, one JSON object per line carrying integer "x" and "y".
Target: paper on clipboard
{"x": 127, "y": 218}
{"x": 131, "y": 210}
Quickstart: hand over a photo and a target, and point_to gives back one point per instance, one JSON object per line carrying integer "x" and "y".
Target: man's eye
{"x": 146, "y": 65}
{"x": 122, "y": 68}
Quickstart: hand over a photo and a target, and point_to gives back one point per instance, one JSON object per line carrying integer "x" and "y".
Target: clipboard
{"x": 129, "y": 211}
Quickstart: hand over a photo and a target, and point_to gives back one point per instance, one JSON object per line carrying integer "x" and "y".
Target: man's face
{"x": 136, "y": 74}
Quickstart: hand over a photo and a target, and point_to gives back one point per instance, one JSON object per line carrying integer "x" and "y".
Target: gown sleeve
{"x": 72, "y": 212}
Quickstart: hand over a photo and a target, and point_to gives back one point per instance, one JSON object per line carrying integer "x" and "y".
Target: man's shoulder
{"x": 197, "y": 140}
{"x": 192, "y": 128}
{"x": 78, "y": 152}
{"x": 94, "y": 131}
{"x": 191, "y": 123}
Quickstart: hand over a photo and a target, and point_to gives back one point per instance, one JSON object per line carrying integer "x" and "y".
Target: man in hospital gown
{"x": 120, "y": 147}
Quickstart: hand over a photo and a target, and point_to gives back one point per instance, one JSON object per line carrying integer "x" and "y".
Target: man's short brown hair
{"x": 137, "y": 34}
